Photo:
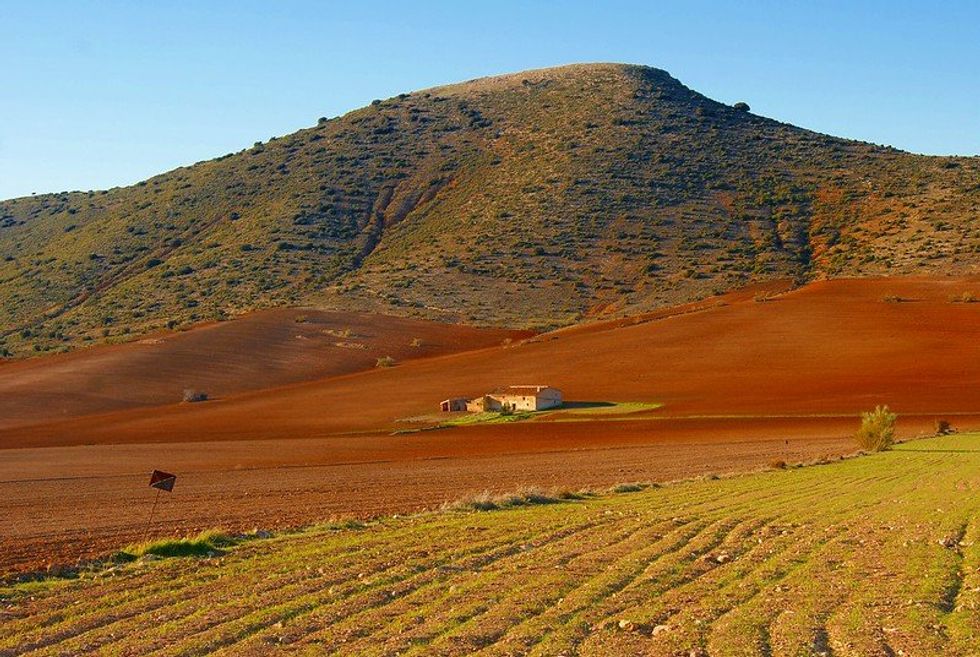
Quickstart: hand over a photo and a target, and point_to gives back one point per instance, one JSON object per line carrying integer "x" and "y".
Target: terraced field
{"x": 869, "y": 556}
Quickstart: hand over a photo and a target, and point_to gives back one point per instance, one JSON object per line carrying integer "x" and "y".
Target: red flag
{"x": 162, "y": 480}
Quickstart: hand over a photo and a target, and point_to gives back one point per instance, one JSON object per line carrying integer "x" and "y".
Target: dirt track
{"x": 305, "y": 451}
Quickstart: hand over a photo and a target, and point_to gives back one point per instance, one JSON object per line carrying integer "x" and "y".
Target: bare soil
{"x": 738, "y": 379}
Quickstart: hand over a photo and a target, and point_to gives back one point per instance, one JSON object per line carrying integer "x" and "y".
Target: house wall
{"x": 483, "y": 404}
{"x": 518, "y": 402}
{"x": 549, "y": 398}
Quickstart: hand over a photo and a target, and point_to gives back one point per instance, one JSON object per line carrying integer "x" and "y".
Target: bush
{"x": 487, "y": 501}
{"x": 628, "y": 488}
{"x": 877, "y": 432}
{"x": 741, "y": 107}
{"x": 777, "y": 464}
{"x": 966, "y": 297}
{"x": 944, "y": 428}
{"x": 191, "y": 395}
{"x": 385, "y": 361}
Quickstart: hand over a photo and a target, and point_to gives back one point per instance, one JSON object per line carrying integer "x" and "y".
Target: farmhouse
{"x": 453, "y": 404}
{"x": 515, "y": 398}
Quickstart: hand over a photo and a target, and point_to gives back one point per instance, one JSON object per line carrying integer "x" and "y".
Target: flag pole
{"x": 146, "y": 530}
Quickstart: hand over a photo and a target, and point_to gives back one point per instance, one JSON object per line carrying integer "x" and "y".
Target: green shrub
{"x": 877, "y": 432}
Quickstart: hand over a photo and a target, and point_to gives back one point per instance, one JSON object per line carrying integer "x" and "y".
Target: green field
{"x": 876, "y": 555}
{"x": 574, "y": 412}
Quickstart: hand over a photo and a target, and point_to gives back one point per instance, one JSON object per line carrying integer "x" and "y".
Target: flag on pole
{"x": 162, "y": 480}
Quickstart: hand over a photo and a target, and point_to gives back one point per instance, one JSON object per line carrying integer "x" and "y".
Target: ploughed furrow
{"x": 367, "y": 587}
{"x": 337, "y": 633}
{"x": 576, "y": 611}
{"x": 681, "y": 617}
{"x": 579, "y": 616}
{"x": 580, "y": 583}
{"x": 746, "y": 627}
{"x": 418, "y": 620}
{"x": 259, "y": 580}
{"x": 352, "y": 618}
{"x": 877, "y": 555}
{"x": 962, "y": 624}
{"x": 677, "y": 617}
{"x": 131, "y": 595}
{"x": 596, "y": 574}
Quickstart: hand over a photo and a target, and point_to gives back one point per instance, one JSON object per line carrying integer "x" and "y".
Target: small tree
{"x": 877, "y": 432}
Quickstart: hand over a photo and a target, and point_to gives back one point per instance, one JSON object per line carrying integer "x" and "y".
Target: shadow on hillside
{"x": 587, "y": 404}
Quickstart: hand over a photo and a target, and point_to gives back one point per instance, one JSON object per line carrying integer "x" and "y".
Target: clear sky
{"x": 98, "y": 94}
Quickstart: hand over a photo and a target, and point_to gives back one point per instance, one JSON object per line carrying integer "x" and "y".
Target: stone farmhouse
{"x": 514, "y": 398}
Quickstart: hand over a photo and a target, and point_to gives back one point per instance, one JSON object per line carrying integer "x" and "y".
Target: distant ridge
{"x": 537, "y": 199}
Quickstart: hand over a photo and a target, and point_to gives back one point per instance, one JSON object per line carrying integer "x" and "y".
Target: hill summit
{"x": 534, "y": 199}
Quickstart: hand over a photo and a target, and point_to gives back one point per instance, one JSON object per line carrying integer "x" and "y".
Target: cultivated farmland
{"x": 876, "y": 555}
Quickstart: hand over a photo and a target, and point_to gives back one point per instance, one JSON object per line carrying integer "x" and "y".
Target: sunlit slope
{"x": 876, "y": 555}
{"x": 537, "y": 198}
{"x": 832, "y": 348}
{"x": 262, "y": 350}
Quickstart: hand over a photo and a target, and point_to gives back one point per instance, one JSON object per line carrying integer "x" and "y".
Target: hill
{"x": 536, "y": 199}
{"x": 774, "y": 563}
{"x": 265, "y": 349}
{"x": 822, "y": 352}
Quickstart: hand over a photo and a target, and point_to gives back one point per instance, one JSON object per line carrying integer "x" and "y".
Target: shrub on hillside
{"x": 944, "y": 428}
{"x": 966, "y": 297}
{"x": 192, "y": 395}
{"x": 385, "y": 361}
{"x": 877, "y": 432}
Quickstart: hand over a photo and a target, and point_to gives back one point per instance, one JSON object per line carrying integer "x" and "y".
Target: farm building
{"x": 527, "y": 398}
{"x": 453, "y": 404}
{"x": 515, "y": 398}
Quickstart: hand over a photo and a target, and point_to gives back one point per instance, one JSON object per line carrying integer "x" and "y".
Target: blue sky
{"x": 98, "y": 94}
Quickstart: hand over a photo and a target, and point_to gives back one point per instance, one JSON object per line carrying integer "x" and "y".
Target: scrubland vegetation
{"x": 532, "y": 199}
{"x": 877, "y": 430}
{"x": 876, "y": 555}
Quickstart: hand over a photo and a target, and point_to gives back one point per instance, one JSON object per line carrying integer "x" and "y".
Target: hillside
{"x": 263, "y": 350}
{"x": 775, "y": 563}
{"x": 817, "y": 355}
{"x": 535, "y": 199}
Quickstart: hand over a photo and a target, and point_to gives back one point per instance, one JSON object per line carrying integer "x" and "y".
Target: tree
{"x": 742, "y": 107}
{"x": 877, "y": 432}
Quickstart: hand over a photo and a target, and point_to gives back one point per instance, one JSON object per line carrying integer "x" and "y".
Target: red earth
{"x": 743, "y": 379}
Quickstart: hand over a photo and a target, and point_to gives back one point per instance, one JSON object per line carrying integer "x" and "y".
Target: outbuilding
{"x": 453, "y": 404}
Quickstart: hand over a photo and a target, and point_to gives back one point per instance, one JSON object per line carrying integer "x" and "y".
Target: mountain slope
{"x": 531, "y": 199}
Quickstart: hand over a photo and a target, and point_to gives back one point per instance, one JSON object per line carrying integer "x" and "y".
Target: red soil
{"x": 738, "y": 378}
{"x": 261, "y": 350}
